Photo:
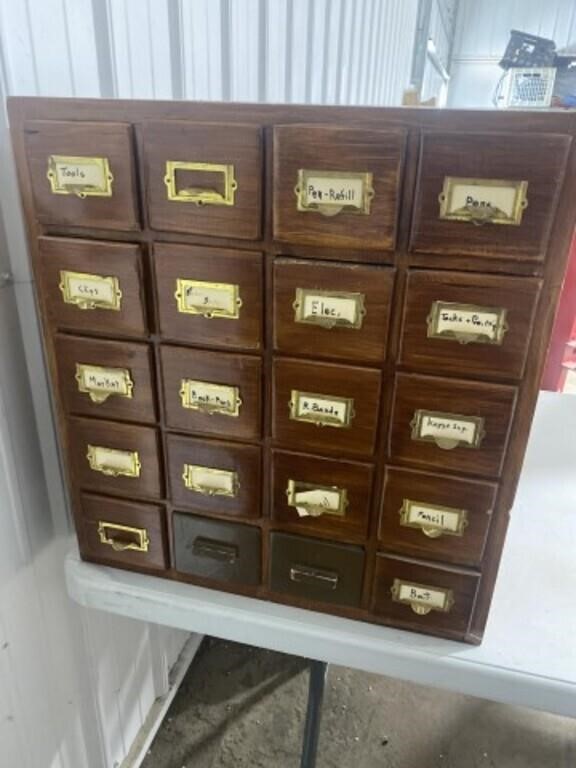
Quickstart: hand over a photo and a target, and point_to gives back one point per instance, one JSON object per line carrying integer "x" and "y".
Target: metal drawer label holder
{"x": 113, "y": 462}
{"x": 311, "y": 500}
{"x": 333, "y": 192}
{"x": 210, "y": 398}
{"x": 433, "y": 520}
{"x": 196, "y": 194}
{"x": 124, "y": 541}
{"x": 466, "y": 323}
{"x": 321, "y": 410}
{"x": 329, "y": 309}
{"x": 196, "y": 297}
{"x": 80, "y": 176}
{"x": 483, "y": 201}
{"x": 447, "y": 430}
{"x": 210, "y": 481}
{"x": 100, "y": 383}
{"x": 422, "y": 598}
{"x": 89, "y": 291}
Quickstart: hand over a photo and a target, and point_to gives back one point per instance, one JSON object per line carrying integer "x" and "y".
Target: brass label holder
{"x": 200, "y": 195}
{"x": 422, "y": 598}
{"x": 209, "y": 398}
{"x": 113, "y": 462}
{"x": 87, "y": 291}
{"x": 80, "y": 176}
{"x": 466, "y": 323}
{"x": 332, "y": 192}
{"x": 312, "y": 500}
{"x": 329, "y": 309}
{"x": 433, "y": 520}
{"x": 210, "y": 481}
{"x": 209, "y": 300}
{"x": 321, "y": 410}
{"x": 100, "y": 383}
{"x": 107, "y": 530}
{"x": 483, "y": 201}
{"x": 447, "y": 430}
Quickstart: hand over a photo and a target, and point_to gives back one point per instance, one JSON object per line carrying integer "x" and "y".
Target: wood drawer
{"x": 316, "y": 570}
{"x": 424, "y": 597}
{"x": 122, "y": 532}
{"x": 210, "y": 296}
{"x": 325, "y": 495}
{"x": 214, "y": 476}
{"x": 204, "y": 178}
{"x": 337, "y": 186}
{"x": 82, "y": 174}
{"x": 436, "y": 517}
{"x": 450, "y": 424}
{"x": 462, "y": 324}
{"x": 225, "y": 552}
{"x": 114, "y": 458}
{"x": 338, "y": 311}
{"x": 90, "y": 285}
{"x": 481, "y": 158}
{"x": 108, "y": 379}
{"x": 212, "y": 393}
{"x": 319, "y": 407}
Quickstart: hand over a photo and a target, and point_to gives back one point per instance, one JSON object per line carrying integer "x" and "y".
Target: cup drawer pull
{"x": 215, "y": 550}
{"x": 422, "y": 598}
{"x": 123, "y": 537}
{"x": 221, "y": 176}
{"x": 312, "y": 500}
{"x": 433, "y": 520}
{"x": 303, "y": 574}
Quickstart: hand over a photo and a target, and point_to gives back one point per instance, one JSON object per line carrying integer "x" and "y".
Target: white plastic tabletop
{"x": 528, "y": 656}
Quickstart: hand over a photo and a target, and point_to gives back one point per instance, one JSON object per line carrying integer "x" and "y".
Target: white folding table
{"x": 528, "y": 656}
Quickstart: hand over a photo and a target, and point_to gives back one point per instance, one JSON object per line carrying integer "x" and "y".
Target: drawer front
{"x": 324, "y": 495}
{"x": 507, "y": 183}
{"x": 210, "y": 295}
{"x": 315, "y": 570}
{"x": 93, "y": 286}
{"x": 325, "y": 408}
{"x": 82, "y": 174}
{"x": 214, "y": 476}
{"x": 108, "y": 379}
{"x": 337, "y": 186}
{"x": 436, "y": 517}
{"x": 338, "y": 311}
{"x": 426, "y": 598}
{"x": 204, "y": 178}
{"x": 114, "y": 458}
{"x": 212, "y": 393}
{"x": 451, "y": 425}
{"x": 460, "y": 323}
{"x": 123, "y": 533}
{"x": 225, "y": 552}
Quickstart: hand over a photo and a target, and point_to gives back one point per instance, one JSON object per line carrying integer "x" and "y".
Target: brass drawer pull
{"x": 215, "y": 550}
{"x": 123, "y": 542}
{"x": 329, "y": 309}
{"x": 432, "y": 519}
{"x": 483, "y": 201}
{"x": 210, "y": 398}
{"x": 466, "y": 323}
{"x": 209, "y": 300}
{"x": 321, "y": 410}
{"x": 88, "y": 291}
{"x": 312, "y": 500}
{"x": 447, "y": 430}
{"x": 303, "y": 574}
{"x": 80, "y": 176}
{"x": 100, "y": 383}
{"x": 210, "y": 481}
{"x": 334, "y": 192}
{"x": 113, "y": 462}
{"x": 422, "y": 598}
{"x": 200, "y": 195}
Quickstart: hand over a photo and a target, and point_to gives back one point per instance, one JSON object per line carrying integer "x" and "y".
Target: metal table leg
{"x": 318, "y": 670}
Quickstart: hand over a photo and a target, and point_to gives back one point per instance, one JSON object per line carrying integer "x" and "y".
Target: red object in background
{"x": 562, "y": 350}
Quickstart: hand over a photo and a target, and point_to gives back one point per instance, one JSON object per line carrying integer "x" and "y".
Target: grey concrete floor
{"x": 241, "y": 707}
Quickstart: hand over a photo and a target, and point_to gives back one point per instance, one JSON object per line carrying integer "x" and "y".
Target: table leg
{"x": 318, "y": 670}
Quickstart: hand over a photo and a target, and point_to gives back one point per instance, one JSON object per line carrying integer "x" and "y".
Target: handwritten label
{"x": 330, "y": 192}
{"x": 110, "y": 461}
{"x": 421, "y": 598}
{"x": 99, "y": 383}
{"x": 196, "y": 297}
{"x": 316, "y": 500}
{"x": 322, "y": 410}
{"x": 433, "y": 520}
{"x": 466, "y": 323}
{"x": 496, "y": 201}
{"x": 82, "y": 176}
{"x": 210, "y": 481}
{"x": 329, "y": 308}
{"x": 448, "y": 430}
{"x": 210, "y": 398}
{"x": 89, "y": 291}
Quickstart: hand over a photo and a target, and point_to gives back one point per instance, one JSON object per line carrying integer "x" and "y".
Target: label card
{"x": 434, "y": 521}
{"x": 321, "y": 410}
{"x": 448, "y": 430}
{"x": 329, "y": 308}
{"x": 481, "y": 201}
{"x": 466, "y": 323}
{"x": 99, "y": 383}
{"x": 421, "y": 598}
{"x": 210, "y": 481}
{"x": 331, "y": 192}
{"x": 88, "y": 291}
{"x": 113, "y": 462}
{"x": 210, "y": 398}
{"x": 81, "y": 176}
{"x": 195, "y": 297}
{"x": 315, "y": 500}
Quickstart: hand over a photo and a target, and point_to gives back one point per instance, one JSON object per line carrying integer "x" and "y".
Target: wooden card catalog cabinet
{"x": 296, "y": 350}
